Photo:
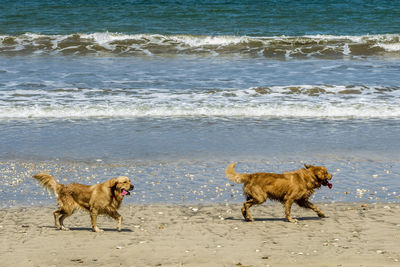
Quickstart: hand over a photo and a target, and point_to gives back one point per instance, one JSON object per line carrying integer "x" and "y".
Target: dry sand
{"x": 354, "y": 234}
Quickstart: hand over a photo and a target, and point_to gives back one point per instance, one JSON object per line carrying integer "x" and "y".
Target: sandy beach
{"x": 353, "y": 234}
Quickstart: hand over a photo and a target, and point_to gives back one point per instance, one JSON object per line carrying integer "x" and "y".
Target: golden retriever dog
{"x": 288, "y": 187}
{"x": 105, "y": 198}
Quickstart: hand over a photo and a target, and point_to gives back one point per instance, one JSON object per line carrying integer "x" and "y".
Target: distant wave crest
{"x": 103, "y": 44}
{"x": 298, "y": 101}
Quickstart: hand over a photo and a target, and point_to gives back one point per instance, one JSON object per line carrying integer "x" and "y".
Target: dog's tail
{"x": 234, "y": 176}
{"x": 48, "y": 182}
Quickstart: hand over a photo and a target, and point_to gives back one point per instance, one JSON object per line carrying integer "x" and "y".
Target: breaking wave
{"x": 103, "y": 44}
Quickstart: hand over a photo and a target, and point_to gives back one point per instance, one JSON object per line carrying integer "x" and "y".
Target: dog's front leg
{"x": 93, "y": 217}
{"x": 314, "y": 208}
{"x": 115, "y": 215}
{"x": 288, "y": 206}
{"x": 307, "y": 204}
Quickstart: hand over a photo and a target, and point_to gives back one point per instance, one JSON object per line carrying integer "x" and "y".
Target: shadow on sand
{"x": 89, "y": 229}
{"x": 275, "y": 219}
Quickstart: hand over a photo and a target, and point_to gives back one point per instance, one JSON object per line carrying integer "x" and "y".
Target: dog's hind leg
{"x": 307, "y": 204}
{"x": 57, "y": 214}
{"x": 59, "y": 220}
{"x": 254, "y": 196}
{"x": 250, "y": 202}
{"x": 62, "y": 218}
{"x": 246, "y": 211}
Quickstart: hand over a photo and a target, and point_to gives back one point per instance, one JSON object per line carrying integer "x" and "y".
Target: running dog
{"x": 105, "y": 198}
{"x": 288, "y": 187}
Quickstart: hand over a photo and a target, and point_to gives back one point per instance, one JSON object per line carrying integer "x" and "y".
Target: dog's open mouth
{"x": 125, "y": 192}
{"x": 328, "y": 184}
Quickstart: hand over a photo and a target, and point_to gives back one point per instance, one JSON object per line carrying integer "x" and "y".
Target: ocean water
{"x": 170, "y": 92}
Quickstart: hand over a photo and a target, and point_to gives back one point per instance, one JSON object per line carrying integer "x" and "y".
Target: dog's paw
{"x": 249, "y": 219}
{"x": 292, "y": 220}
{"x": 321, "y": 215}
{"x": 64, "y": 228}
{"x": 98, "y": 230}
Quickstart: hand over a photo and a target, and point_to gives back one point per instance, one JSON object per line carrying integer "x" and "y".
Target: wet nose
{"x": 131, "y": 187}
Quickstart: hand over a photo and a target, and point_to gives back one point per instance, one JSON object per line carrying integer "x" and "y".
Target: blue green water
{"x": 252, "y": 18}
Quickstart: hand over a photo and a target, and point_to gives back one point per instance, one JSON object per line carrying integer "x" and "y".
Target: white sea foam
{"x": 276, "y": 111}
{"x": 297, "y": 101}
{"x": 389, "y": 47}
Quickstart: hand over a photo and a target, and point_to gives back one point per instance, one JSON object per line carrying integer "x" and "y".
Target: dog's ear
{"x": 307, "y": 166}
{"x": 112, "y": 182}
{"x": 320, "y": 173}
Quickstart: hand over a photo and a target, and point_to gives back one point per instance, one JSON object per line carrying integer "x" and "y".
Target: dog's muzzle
{"x": 327, "y": 183}
{"x": 125, "y": 192}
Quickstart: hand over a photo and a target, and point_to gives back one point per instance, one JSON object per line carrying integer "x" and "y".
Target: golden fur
{"x": 288, "y": 187}
{"x": 105, "y": 198}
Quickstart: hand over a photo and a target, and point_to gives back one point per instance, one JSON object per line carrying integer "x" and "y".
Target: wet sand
{"x": 353, "y": 234}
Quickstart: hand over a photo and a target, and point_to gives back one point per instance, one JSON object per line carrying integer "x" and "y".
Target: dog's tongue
{"x": 124, "y": 192}
{"x": 330, "y": 185}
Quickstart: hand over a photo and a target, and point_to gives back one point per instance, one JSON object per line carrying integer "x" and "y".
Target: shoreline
{"x": 353, "y": 234}
{"x": 196, "y": 181}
